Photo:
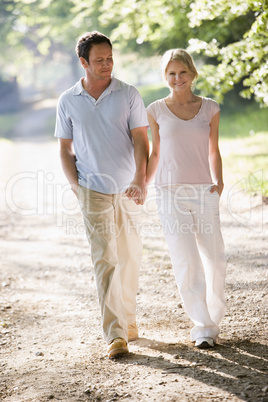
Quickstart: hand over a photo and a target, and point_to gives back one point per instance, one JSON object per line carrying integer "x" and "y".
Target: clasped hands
{"x": 137, "y": 192}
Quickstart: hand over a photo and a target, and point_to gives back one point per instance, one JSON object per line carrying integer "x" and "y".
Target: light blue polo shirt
{"x": 100, "y": 130}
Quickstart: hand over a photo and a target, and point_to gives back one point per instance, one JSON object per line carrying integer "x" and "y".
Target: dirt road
{"x": 50, "y": 332}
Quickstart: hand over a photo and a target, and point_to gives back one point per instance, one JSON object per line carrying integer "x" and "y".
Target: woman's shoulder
{"x": 210, "y": 102}
{"x": 210, "y": 107}
{"x": 156, "y": 103}
{"x": 155, "y": 109}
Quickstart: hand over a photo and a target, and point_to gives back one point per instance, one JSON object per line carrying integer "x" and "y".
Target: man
{"x": 102, "y": 130}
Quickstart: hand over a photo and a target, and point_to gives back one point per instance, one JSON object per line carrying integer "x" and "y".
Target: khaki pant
{"x": 111, "y": 222}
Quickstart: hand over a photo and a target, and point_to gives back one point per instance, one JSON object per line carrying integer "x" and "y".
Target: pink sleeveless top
{"x": 184, "y": 144}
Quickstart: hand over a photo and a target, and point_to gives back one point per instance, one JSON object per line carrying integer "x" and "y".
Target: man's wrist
{"x": 74, "y": 187}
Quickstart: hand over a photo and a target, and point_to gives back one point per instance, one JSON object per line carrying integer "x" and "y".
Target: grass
{"x": 246, "y": 160}
{"x": 243, "y": 122}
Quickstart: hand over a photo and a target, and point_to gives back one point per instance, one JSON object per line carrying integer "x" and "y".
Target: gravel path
{"x": 50, "y": 331}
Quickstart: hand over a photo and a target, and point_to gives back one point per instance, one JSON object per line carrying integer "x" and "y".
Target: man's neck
{"x": 95, "y": 88}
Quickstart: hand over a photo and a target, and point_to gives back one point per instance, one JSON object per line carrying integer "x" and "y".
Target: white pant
{"x": 191, "y": 224}
{"x": 116, "y": 250}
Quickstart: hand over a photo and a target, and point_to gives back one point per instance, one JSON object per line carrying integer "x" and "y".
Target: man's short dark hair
{"x": 87, "y": 41}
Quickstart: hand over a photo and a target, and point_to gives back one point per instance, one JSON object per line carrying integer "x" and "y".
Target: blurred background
{"x": 46, "y": 280}
{"x": 228, "y": 41}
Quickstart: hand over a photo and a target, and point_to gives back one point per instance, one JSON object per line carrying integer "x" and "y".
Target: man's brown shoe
{"x": 133, "y": 333}
{"x": 117, "y": 347}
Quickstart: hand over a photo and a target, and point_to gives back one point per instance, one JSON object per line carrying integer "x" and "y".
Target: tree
{"x": 232, "y": 35}
{"x": 244, "y": 60}
{"x": 33, "y": 30}
{"x": 147, "y": 26}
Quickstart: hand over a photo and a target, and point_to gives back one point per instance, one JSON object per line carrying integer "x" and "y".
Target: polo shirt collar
{"x": 78, "y": 88}
{"x": 115, "y": 85}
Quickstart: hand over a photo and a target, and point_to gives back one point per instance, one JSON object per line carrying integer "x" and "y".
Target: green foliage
{"x": 147, "y": 26}
{"x": 35, "y": 30}
{"x": 231, "y": 35}
{"x": 244, "y": 60}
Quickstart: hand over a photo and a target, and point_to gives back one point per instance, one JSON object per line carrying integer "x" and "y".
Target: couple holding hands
{"x": 102, "y": 129}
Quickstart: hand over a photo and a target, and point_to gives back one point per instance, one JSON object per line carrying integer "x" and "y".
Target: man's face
{"x": 100, "y": 64}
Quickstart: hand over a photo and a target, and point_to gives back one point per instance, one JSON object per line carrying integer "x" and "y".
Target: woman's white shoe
{"x": 204, "y": 343}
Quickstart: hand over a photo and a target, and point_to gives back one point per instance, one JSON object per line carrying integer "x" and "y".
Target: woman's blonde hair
{"x": 183, "y": 57}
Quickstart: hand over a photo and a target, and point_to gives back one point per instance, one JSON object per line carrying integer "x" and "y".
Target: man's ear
{"x": 83, "y": 62}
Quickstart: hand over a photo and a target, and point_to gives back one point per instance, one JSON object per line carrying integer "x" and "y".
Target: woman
{"x": 188, "y": 167}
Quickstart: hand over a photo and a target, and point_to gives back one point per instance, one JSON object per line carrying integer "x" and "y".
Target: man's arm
{"x": 67, "y": 157}
{"x": 137, "y": 189}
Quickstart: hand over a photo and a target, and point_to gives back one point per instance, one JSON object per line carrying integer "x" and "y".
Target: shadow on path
{"x": 239, "y": 368}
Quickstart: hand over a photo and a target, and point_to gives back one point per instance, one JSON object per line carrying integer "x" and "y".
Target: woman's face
{"x": 178, "y": 77}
